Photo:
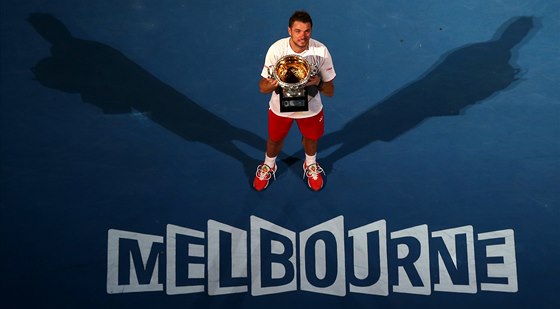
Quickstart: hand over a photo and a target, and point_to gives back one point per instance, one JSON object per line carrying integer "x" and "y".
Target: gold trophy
{"x": 292, "y": 73}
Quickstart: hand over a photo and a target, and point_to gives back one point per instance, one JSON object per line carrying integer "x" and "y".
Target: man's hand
{"x": 313, "y": 81}
{"x": 327, "y": 88}
{"x": 267, "y": 85}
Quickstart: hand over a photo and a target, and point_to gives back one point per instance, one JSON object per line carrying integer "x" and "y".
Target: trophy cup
{"x": 292, "y": 73}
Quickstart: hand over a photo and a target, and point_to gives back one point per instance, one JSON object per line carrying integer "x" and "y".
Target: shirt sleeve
{"x": 269, "y": 61}
{"x": 327, "y": 68}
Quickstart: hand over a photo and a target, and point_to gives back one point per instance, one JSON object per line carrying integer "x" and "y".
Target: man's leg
{"x": 267, "y": 169}
{"x": 312, "y": 129}
{"x": 278, "y": 128}
{"x": 309, "y": 146}
{"x": 272, "y": 151}
{"x": 273, "y": 148}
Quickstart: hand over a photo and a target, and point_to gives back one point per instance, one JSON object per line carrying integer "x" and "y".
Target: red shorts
{"x": 311, "y": 128}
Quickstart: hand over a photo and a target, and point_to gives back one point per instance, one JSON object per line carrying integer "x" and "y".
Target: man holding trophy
{"x": 297, "y": 70}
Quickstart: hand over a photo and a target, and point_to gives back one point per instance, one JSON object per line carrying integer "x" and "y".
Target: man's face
{"x": 300, "y": 33}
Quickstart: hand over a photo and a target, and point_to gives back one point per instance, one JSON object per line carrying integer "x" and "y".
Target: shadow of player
{"x": 460, "y": 79}
{"x": 106, "y": 78}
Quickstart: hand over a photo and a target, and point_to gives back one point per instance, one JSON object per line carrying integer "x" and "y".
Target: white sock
{"x": 269, "y": 161}
{"x": 310, "y": 159}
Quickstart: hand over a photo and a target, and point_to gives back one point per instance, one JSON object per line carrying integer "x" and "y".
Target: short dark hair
{"x": 301, "y": 16}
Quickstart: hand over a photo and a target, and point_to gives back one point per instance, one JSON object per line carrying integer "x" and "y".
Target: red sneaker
{"x": 262, "y": 176}
{"x": 314, "y": 178}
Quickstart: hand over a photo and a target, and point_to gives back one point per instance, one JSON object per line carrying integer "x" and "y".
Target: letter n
{"x": 456, "y": 262}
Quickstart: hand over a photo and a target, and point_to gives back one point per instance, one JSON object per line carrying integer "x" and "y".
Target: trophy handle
{"x": 271, "y": 70}
{"x": 314, "y": 70}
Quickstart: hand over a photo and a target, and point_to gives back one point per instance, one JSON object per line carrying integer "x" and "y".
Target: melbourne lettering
{"x": 326, "y": 258}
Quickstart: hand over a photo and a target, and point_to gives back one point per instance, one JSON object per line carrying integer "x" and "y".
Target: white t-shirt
{"x": 317, "y": 54}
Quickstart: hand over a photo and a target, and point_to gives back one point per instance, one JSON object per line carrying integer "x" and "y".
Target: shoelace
{"x": 313, "y": 171}
{"x": 264, "y": 172}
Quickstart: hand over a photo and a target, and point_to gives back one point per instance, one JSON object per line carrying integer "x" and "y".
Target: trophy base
{"x": 294, "y": 103}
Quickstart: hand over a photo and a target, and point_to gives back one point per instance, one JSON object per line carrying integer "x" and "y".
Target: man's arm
{"x": 327, "y": 88}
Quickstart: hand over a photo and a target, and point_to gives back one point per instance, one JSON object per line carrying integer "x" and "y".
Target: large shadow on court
{"x": 106, "y": 78}
{"x": 461, "y": 78}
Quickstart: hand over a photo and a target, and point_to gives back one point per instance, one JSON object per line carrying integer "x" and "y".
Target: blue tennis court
{"x": 131, "y": 131}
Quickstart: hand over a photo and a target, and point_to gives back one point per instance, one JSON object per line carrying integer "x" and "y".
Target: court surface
{"x": 131, "y": 131}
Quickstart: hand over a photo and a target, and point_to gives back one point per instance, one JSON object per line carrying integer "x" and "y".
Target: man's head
{"x": 299, "y": 28}
{"x": 302, "y": 17}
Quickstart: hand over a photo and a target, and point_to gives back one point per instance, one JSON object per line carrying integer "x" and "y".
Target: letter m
{"x": 133, "y": 262}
